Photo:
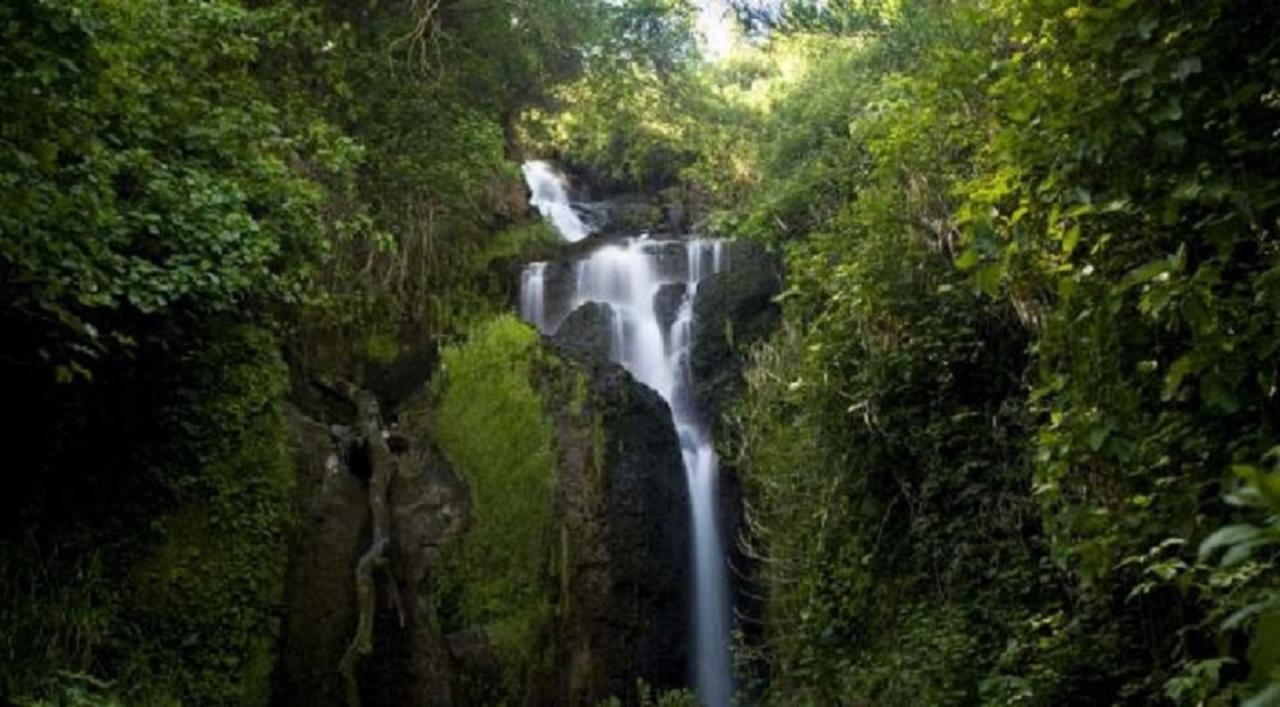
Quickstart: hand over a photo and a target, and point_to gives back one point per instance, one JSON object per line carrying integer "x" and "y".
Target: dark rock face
{"x": 664, "y": 214}
{"x": 510, "y": 198}
{"x": 666, "y": 303}
{"x": 411, "y": 664}
{"x": 333, "y": 530}
{"x": 396, "y": 380}
{"x": 628, "y": 215}
{"x": 670, "y": 258}
{"x": 733, "y": 310}
{"x": 561, "y": 278}
{"x": 428, "y": 505}
{"x": 589, "y": 330}
{"x": 623, "y": 528}
{"x": 649, "y": 526}
{"x": 479, "y": 670}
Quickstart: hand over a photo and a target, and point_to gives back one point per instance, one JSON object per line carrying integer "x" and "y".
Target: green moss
{"x": 209, "y": 596}
{"x": 581, "y": 393}
{"x": 598, "y": 448}
{"x": 531, "y": 236}
{"x": 381, "y": 347}
{"x": 493, "y": 427}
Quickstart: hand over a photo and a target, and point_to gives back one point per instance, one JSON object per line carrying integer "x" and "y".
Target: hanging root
{"x": 383, "y": 466}
{"x": 426, "y": 31}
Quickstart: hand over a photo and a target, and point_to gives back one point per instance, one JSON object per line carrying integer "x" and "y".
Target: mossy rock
{"x": 733, "y": 310}
{"x": 575, "y": 571}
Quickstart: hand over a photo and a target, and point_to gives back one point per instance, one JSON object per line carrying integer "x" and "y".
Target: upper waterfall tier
{"x": 550, "y": 195}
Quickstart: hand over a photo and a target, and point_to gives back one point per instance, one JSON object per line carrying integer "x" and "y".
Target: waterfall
{"x": 551, "y": 199}
{"x": 627, "y": 275}
{"x": 532, "y": 307}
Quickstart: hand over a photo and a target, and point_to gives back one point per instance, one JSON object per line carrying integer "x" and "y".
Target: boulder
{"x": 588, "y": 330}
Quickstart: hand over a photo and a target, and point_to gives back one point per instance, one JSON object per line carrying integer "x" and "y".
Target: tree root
{"x": 383, "y": 466}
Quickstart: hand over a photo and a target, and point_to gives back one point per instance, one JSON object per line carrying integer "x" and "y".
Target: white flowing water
{"x": 627, "y": 275}
{"x": 532, "y": 307}
{"x": 551, "y": 199}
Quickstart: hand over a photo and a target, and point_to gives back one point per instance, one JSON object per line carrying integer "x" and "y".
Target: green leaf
{"x": 1227, "y": 536}
{"x": 1172, "y": 140}
{"x": 1098, "y": 437}
{"x": 1215, "y": 393}
{"x": 989, "y": 278}
{"x": 1147, "y": 27}
{"x": 1070, "y": 240}
{"x": 1178, "y": 370}
{"x": 1187, "y": 67}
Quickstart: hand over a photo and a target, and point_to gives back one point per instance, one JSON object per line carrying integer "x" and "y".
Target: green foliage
{"x": 493, "y": 427}
{"x": 335, "y": 175}
{"x": 146, "y": 173}
{"x": 617, "y": 120}
{"x": 208, "y": 600}
{"x": 413, "y": 253}
{"x": 648, "y": 697}
{"x": 1032, "y": 325}
{"x": 176, "y": 599}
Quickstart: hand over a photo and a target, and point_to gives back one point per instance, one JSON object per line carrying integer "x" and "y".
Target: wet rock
{"x": 733, "y": 310}
{"x": 428, "y": 505}
{"x": 623, "y": 529}
{"x": 333, "y": 530}
{"x": 510, "y": 198}
{"x": 560, "y": 282}
{"x": 666, "y": 303}
{"x": 629, "y": 215}
{"x": 588, "y": 330}
{"x": 412, "y": 664}
{"x": 676, "y": 208}
{"x": 670, "y": 259}
{"x": 480, "y": 671}
{"x": 396, "y": 379}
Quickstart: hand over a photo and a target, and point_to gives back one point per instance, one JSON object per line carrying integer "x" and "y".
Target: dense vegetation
{"x": 205, "y": 204}
{"x": 494, "y": 428}
{"x": 1016, "y": 441}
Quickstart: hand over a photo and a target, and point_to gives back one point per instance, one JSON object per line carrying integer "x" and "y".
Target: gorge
{"x": 640, "y": 353}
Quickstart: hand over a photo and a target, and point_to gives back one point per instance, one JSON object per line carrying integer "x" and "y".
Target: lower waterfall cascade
{"x": 627, "y": 275}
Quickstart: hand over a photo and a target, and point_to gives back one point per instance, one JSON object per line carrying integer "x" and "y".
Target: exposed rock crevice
{"x": 369, "y": 498}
